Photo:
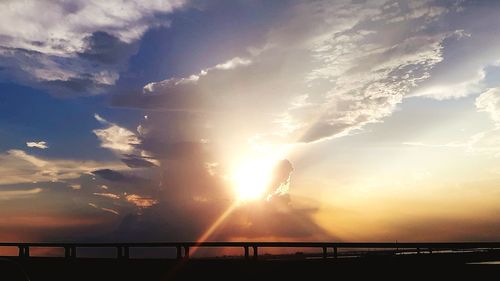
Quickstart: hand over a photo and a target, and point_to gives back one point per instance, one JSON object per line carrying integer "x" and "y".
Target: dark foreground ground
{"x": 426, "y": 266}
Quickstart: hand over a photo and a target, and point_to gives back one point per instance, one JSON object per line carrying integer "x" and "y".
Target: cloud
{"x": 77, "y": 47}
{"x": 280, "y": 183}
{"x": 18, "y": 194}
{"x": 125, "y": 143}
{"x": 324, "y": 71}
{"x": 450, "y": 145}
{"x": 486, "y": 142}
{"x": 109, "y": 174}
{"x": 489, "y": 102}
{"x": 141, "y": 202}
{"x": 107, "y": 195}
{"x": 104, "y": 209}
{"x": 40, "y": 144}
{"x": 138, "y": 162}
{"x": 344, "y": 67}
{"x": 17, "y": 166}
{"x": 464, "y": 69}
{"x": 114, "y": 137}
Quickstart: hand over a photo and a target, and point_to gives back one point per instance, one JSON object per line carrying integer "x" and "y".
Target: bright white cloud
{"x": 489, "y": 102}
{"x": 116, "y": 138}
{"x": 58, "y": 45}
{"x": 39, "y": 144}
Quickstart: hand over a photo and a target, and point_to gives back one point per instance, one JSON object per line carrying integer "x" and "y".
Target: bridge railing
{"x": 183, "y": 248}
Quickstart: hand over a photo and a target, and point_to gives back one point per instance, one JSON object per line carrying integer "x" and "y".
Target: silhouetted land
{"x": 287, "y": 267}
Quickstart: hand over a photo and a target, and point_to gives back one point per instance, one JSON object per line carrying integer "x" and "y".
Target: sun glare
{"x": 251, "y": 179}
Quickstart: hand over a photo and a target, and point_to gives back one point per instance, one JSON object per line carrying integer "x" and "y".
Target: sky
{"x": 189, "y": 120}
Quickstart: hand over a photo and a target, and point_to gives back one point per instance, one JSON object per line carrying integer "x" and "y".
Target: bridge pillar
{"x": 24, "y": 251}
{"x": 186, "y": 252}
{"x": 325, "y": 252}
{"x": 126, "y": 253}
{"x": 119, "y": 253}
{"x": 246, "y": 252}
{"x": 67, "y": 252}
{"x": 255, "y": 252}
{"x": 179, "y": 252}
{"x": 335, "y": 252}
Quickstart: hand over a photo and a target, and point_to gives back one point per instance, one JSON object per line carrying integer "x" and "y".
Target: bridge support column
{"x": 325, "y": 253}
{"x": 186, "y": 252}
{"x": 24, "y": 251}
{"x": 255, "y": 252}
{"x": 122, "y": 252}
{"x": 119, "y": 252}
{"x": 335, "y": 252}
{"x": 126, "y": 253}
{"x": 67, "y": 252}
{"x": 179, "y": 252}
{"x": 246, "y": 252}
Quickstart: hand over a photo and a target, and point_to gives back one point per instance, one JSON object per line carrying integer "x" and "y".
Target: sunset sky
{"x": 178, "y": 120}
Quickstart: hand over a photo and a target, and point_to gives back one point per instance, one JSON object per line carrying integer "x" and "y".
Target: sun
{"x": 252, "y": 178}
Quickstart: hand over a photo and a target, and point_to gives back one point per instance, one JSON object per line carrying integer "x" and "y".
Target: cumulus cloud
{"x": 39, "y": 144}
{"x": 76, "y": 47}
{"x": 115, "y": 137}
{"x": 318, "y": 75}
{"x": 325, "y": 70}
{"x": 124, "y": 143}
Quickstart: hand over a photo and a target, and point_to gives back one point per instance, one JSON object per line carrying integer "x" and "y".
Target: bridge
{"x": 328, "y": 249}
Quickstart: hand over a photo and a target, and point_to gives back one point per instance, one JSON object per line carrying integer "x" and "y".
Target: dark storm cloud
{"x": 105, "y": 48}
{"x": 116, "y": 176}
{"x": 137, "y": 162}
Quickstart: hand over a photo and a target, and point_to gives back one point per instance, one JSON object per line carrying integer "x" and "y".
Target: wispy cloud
{"x": 17, "y": 166}
{"x": 17, "y": 194}
{"x": 104, "y": 209}
{"x": 107, "y": 195}
{"x": 451, "y": 144}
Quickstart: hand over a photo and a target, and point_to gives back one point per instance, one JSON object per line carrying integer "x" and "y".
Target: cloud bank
{"x": 76, "y": 47}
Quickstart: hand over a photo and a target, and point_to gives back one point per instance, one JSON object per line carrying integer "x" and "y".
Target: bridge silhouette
{"x": 184, "y": 248}
{"x": 448, "y": 259}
